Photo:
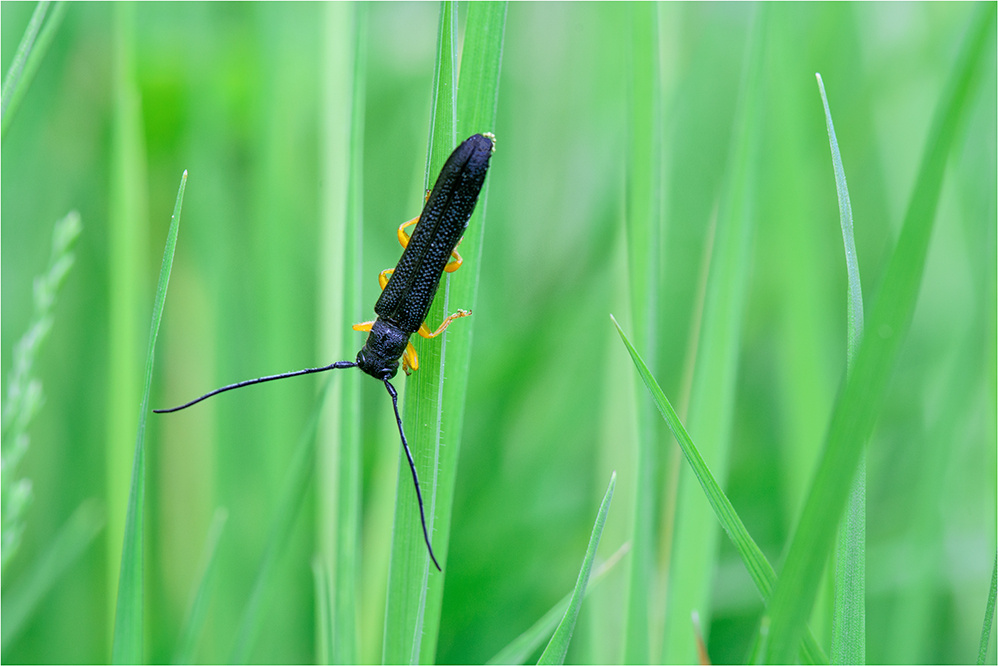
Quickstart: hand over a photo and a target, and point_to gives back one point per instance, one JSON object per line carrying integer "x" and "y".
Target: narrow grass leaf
{"x": 989, "y": 615}
{"x": 338, "y": 452}
{"x": 410, "y": 565}
{"x": 73, "y": 538}
{"x": 23, "y": 69}
{"x": 127, "y": 646}
{"x": 557, "y": 647}
{"x": 849, "y": 616}
{"x": 643, "y": 226}
{"x": 856, "y": 410}
{"x": 521, "y": 647}
{"x": 712, "y": 396}
{"x": 759, "y": 568}
{"x": 477, "y": 100}
{"x": 127, "y": 250}
{"x": 194, "y": 619}
{"x": 289, "y": 504}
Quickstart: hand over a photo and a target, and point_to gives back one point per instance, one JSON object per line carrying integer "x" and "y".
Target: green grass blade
{"x": 989, "y": 614}
{"x": 289, "y": 504}
{"x": 73, "y": 538}
{"x": 643, "y": 226}
{"x": 410, "y": 567}
{"x": 521, "y": 647}
{"x": 127, "y": 647}
{"x": 128, "y": 247}
{"x": 22, "y": 70}
{"x": 859, "y": 403}
{"x": 712, "y": 397}
{"x": 557, "y": 647}
{"x": 340, "y": 253}
{"x": 477, "y": 100}
{"x": 759, "y": 568}
{"x": 194, "y": 619}
{"x": 849, "y": 618}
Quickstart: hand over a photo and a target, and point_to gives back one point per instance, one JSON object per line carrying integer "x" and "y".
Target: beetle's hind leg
{"x": 424, "y": 330}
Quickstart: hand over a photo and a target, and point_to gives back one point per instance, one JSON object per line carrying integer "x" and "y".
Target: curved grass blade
{"x": 758, "y": 566}
{"x": 477, "y": 100}
{"x": 521, "y": 647}
{"x": 856, "y": 410}
{"x": 127, "y": 647}
{"x": 989, "y": 614}
{"x": 409, "y": 569}
{"x": 30, "y": 53}
{"x": 73, "y": 538}
{"x": 849, "y": 617}
{"x": 194, "y": 619}
{"x": 557, "y": 647}
{"x": 282, "y": 524}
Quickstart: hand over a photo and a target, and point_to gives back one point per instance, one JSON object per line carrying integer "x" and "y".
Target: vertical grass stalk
{"x": 643, "y": 225}
{"x": 410, "y": 564}
{"x": 477, "y": 99}
{"x": 128, "y": 246}
{"x": 340, "y": 252}
{"x": 858, "y": 406}
{"x": 712, "y": 396}
{"x": 849, "y": 617}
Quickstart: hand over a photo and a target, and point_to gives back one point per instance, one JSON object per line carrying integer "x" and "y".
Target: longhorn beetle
{"x": 408, "y": 289}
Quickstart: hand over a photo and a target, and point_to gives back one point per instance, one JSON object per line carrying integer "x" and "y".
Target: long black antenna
{"x": 412, "y": 466}
{"x": 260, "y": 380}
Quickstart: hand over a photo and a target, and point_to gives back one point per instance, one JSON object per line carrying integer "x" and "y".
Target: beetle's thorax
{"x": 379, "y": 357}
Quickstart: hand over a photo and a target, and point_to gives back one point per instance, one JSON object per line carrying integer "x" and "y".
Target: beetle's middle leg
{"x": 452, "y": 265}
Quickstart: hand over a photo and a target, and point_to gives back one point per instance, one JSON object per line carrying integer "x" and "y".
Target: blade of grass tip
{"x": 127, "y": 647}
{"x": 643, "y": 225}
{"x": 521, "y": 647}
{"x": 409, "y": 568}
{"x": 128, "y": 246}
{"x": 759, "y": 568}
{"x": 477, "y": 99}
{"x": 13, "y": 95}
{"x": 849, "y": 615}
{"x": 989, "y": 614}
{"x": 856, "y": 410}
{"x": 197, "y": 611}
{"x": 712, "y": 397}
{"x": 73, "y": 538}
{"x": 557, "y": 647}
{"x": 339, "y": 449}
{"x": 289, "y": 503}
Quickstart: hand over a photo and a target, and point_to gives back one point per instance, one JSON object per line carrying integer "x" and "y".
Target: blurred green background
{"x": 234, "y": 93}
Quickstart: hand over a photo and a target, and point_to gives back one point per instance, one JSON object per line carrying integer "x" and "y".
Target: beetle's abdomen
{"x": 410, "y": 291}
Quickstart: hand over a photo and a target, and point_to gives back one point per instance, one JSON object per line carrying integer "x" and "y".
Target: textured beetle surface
{"x": 409, "y": 293}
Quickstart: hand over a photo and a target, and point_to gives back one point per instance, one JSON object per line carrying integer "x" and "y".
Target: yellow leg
{"x": 383, "y": 277}
{"x": 424, "y": 331}
{"x": 410, "y": 360}
{"x": 364, "y": 326}
{"x": 451, "y": 266}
